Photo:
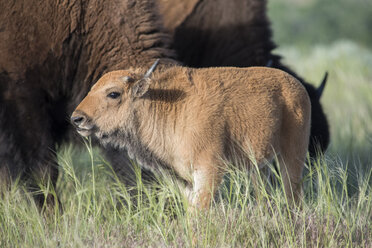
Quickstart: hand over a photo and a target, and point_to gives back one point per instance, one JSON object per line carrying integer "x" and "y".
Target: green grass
{"x": 98, "y": 210}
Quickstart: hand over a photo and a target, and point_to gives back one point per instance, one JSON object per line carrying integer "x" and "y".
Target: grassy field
{"x": 98, "y": 211}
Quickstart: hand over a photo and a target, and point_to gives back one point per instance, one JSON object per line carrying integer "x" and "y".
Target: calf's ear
{"x": 141, "y": 87}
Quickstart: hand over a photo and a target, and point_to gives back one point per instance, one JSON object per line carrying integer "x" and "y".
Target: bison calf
{"x": 192, "y": 120}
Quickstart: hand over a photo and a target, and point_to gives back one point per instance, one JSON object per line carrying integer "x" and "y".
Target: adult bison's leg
{"x": 27, "y": 149}
{"x": 10, "y": 157}
{"x": 121, "y": 165}
{"x": 41, "y": 177}
{"x": 124, "y": 168}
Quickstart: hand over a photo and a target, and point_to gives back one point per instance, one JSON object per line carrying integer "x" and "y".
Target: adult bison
{"x": 51, "y": 52}
{"x": 234, "y": 33}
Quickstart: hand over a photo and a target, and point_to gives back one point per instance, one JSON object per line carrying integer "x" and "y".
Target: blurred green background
{"x": 307, "y": 22}
{"x": 315, "y": 36}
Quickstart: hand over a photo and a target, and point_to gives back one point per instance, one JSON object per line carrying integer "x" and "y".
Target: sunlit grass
{"x": 104, "y": 214}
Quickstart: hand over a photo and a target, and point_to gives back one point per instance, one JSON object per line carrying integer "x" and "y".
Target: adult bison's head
{"x": 108, "y": 107}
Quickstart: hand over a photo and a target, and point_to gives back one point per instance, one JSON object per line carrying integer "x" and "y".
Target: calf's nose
{"x": 78, "y": 119}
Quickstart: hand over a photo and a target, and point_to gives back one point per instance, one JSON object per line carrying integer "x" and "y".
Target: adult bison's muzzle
{"x": 82, "y": 123}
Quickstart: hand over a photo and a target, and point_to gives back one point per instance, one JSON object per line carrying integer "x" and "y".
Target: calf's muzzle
{"x": 78, "y": 118}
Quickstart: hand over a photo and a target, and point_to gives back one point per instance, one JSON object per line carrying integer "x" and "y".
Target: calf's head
{"x": 108, "y": 107}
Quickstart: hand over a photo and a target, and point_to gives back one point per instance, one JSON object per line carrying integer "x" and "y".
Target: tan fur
{"x": 190, "y": 120}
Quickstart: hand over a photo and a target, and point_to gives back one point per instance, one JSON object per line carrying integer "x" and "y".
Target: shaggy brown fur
{"x": 50, "y": 54}
{"x": 190, "y": 120}
{"x": 233, "y": 33}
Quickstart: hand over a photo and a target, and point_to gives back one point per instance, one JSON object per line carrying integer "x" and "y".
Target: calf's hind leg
{"x": 293, "y": 148}
{"x": 207, "y": 176}
{"x": 291, "y": 172}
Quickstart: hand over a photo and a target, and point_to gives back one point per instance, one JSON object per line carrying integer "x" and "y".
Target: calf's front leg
{"x": 206, "y": 177}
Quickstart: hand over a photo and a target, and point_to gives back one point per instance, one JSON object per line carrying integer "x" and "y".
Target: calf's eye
{"x": 113, "y": 95}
